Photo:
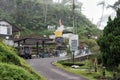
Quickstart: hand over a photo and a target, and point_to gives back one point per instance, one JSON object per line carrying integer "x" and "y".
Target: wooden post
{"x": 37, "y": 46}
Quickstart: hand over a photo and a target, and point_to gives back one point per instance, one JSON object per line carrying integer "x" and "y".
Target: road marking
{"x": 65, "y": 74}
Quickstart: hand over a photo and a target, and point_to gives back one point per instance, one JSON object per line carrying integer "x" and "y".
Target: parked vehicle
{"x": 25, "y": 52}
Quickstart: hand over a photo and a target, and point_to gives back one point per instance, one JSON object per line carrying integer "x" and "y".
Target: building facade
{"x": 6, "y": 32}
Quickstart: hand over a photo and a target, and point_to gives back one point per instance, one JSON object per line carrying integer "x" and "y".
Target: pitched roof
{"x": 31, "y": 40}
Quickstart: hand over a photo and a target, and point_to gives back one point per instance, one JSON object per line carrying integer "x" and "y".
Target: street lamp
{"x": 43, "y": 43}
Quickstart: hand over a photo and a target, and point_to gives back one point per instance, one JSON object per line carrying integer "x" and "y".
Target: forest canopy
{"x": 34, "y": 16}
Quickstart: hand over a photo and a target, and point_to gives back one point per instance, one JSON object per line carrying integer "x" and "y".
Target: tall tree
{"x": 110, "y": 42}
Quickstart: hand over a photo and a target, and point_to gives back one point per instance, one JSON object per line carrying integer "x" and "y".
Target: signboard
{"x": 73, "y": 42}
{"x": 51, "y": 27}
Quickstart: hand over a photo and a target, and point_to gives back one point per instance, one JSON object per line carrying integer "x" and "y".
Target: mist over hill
{"x": 34, "y": 16}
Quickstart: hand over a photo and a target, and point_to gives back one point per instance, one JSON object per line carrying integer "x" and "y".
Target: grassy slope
{"x": 8, "y": 56}
{"x": 83, "y": 71}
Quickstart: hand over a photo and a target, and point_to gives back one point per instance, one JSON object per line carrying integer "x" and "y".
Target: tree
{"x": 33, "y": 16}
{"x": 109, "y": 42}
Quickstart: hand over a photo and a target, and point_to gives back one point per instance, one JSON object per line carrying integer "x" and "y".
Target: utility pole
{"x": 46, "y": 11}
{"x": 73, "y": 10}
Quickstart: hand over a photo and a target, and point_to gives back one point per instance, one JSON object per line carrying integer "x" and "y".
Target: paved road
{"x": 50, "y": 72}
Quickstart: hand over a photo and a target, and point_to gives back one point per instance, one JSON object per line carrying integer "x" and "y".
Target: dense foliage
{"x": 12, "y": 72}
{"x": 12, "y": 67}
{"x": 33, "y": 16}
{"x": 110, "y": 42}
{"x": 7, "y": 55}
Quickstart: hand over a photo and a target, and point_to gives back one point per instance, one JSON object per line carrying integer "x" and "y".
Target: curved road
{"x": 50, "y": 72}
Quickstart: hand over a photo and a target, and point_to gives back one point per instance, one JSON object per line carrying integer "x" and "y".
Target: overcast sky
{"x": 94, "y": 11}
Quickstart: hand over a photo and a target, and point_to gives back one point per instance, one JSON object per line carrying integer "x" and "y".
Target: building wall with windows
{"x": 6, "y": 32}
{"x": 5, "y": 28}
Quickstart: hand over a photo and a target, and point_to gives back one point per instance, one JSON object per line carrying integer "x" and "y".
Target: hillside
{"x": 12, "y": 67}
{"x": 34, "y": 16}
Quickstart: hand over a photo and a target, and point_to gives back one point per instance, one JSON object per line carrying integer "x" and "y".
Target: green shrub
{"x": 91, "y": 43}
{"x": 70, "y": 63}
{"x": 12, "y": 72}
{"x": 9, "y": 56}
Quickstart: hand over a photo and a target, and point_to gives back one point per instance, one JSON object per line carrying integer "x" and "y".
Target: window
{"x": 6, "y": 30}
{"x": 3, "y": 30}
{"x": 9, "y": 31}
